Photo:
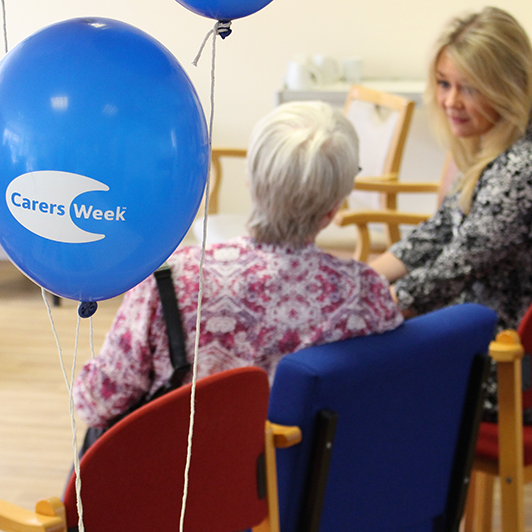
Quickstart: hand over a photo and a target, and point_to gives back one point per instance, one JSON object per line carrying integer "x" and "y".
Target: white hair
{"x": 302, "y": 161}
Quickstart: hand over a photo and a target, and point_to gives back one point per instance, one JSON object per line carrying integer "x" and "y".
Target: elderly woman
{"x": 266, "y": 295}
{"x": 478, "y": 246}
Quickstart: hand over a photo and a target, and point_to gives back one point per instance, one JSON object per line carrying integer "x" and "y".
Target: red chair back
{"x": 525, "y": 333}
{"x": 132, "y": 477}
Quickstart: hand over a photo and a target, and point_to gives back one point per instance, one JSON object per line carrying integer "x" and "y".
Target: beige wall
{"x": 393, "y": 37}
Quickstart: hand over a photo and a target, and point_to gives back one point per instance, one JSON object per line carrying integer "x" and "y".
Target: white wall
{"x": 394, "y": 38}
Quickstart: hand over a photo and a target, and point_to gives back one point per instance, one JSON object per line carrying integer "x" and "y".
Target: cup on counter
{"x": 330, "y": 71}
{"x": 302, "y": 74}
{"x": 352, "y": 69}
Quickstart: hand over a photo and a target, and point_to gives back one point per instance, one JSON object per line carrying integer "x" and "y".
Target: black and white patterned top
{"x": 483, "y": 257}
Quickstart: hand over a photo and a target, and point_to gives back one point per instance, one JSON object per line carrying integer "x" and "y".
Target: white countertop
{"x": 336, "y": 93}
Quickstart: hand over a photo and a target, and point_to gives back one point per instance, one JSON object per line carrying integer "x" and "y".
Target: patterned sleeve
{"x": 380, "y": 313}
{"x": 499, "y": 220}
{"x": 426, "y": 240}
{"x": 111, "y": 382}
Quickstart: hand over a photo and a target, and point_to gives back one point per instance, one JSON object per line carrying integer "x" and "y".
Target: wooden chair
{"x": 389, "y": 214}
{"x": 382, "y": 122}
{"x": 132, "y": 477}
{"x": 389, "y": 424}
{"x": 222, "y": 226}
{"x": 504, "y": 449}
{"x": 218, "y": 154}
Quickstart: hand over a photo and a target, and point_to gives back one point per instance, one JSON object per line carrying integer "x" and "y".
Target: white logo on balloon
{"x": 40, "y": 201}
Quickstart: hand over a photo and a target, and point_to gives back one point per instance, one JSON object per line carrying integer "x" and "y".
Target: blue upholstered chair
{"x": 388, "y": 425}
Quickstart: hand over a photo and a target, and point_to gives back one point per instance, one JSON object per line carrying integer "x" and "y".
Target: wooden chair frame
{"x": 217, "y": 173}
{"x": 399, "y": 104}
{"x": 507, "y": 351}
{"x": 404, "y": 107}
{"x": 387, "y": 183}
{"x": 389, "y": 186}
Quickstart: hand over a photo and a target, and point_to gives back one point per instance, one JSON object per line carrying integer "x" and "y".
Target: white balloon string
{"x": 70, "y": 386}
{"x": 200, "y": 289}
{"x": 4, "y": 20}
{"x": 222, "y": 28}
{"x": 197, "y": 58}
{"x": 91, "y": 337}
{"x": 81, "y": 527}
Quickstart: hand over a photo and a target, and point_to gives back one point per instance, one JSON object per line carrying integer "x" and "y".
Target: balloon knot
{"x": 224, "y": 28}
{"x": 87, "y": 308}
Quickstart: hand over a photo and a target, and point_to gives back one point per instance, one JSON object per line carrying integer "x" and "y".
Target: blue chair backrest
{"x": 399, "y": 397}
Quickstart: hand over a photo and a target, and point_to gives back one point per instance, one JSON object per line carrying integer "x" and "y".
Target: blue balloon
{"x": 103, "y": 158}
{"x": 224, "y": 10}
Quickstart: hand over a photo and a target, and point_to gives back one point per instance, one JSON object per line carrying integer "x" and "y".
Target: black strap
{"x": 174, "y": 326}
{"x": 176, "y": 343}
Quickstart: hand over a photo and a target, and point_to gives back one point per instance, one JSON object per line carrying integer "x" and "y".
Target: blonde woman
{"x": 478, "y": 246}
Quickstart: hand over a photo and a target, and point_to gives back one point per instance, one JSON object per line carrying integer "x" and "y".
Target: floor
{"x": 36, "y": 449}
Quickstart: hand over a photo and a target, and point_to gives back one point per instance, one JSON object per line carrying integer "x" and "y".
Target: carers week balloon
{"x": 103, "y": 159}
{"x": 224, "y": 10}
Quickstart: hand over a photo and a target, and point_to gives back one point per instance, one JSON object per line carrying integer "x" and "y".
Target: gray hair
{"x": 302, "y": 161}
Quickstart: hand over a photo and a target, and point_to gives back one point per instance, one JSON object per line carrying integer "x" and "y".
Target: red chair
{"x": 504, "y": 449}
{"x": 132, "y": 477}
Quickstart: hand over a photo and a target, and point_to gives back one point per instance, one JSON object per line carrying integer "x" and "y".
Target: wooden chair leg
{"x": 277, "y": 437}
{"x": 479, "y": 504}
{"x": 512, "y": 506}
{"x": 511, "y": 472}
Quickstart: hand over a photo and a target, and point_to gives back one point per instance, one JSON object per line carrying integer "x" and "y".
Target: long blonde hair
{"x": 493, "y": 52}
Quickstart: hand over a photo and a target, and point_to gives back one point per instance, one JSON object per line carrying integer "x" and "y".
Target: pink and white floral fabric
{"x": 260, "y": 302}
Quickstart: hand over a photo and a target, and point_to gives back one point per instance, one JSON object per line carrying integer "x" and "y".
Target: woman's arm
{"x": 389, "y": 266}
{"x": 499, "y": 220}
{"x": 114, "y": 380}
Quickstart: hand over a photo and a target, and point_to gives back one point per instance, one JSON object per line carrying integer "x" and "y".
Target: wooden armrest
{"x": 385, "y": 216}
{"x": 229, "y": 152}
{"x": 285, "y": 436}
{"x": 506, "y": 347}
{"x": 384, "y": 178}
{"x": 393, "y": 186}
{"x": 507, "y": 351}
{"x": 275, "y": 436}
{"x": 13, "y": 518}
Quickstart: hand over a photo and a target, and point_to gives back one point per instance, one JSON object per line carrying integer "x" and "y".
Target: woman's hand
{"x": 408, "y": 313}
{"x": 389, "y": 266}
{"x": 393, "y": 294}
{"x": 392, "y": 269}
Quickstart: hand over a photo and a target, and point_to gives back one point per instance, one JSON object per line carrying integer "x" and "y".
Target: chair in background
{"x": 132, "y": 477}
{"x": 217, "y": 173}
{"x": 390, "y": 215}
{"x": 388, "y": 424}
{"x": 221, "y": 227}
{"x": 504, "y": 449}
{"x": 382, "y": 122}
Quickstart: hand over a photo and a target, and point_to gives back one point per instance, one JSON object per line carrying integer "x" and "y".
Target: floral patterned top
{"x": 260, "y": 302}
{"x": 484, "y": 257}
